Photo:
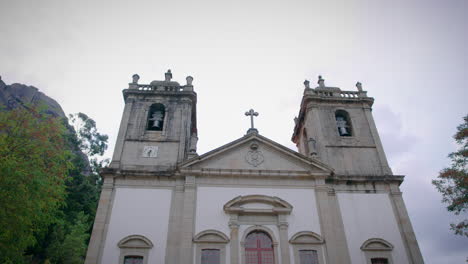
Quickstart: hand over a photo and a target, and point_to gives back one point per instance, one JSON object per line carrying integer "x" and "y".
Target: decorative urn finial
{"x": 307, "y": 84}
{"x": 321, "y": 82}
{"x": 359, "y": 86}
{"x": 135, "y": 78}
{"x": 189, "y": 80}
{"x": 168, "y": 76}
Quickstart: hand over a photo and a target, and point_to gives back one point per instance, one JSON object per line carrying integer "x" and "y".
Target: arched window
{"x": 156, "y": 115}
{"x": 343, "y": 123}
{"x": 211, "y": 247}
{"x": 134, "y": 249}
{"x": 308, "y": 247}
{"x": 259, "y": 248}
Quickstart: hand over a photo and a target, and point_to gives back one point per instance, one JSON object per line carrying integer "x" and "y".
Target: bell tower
{"x": 158, "y": 127}
{"x": 337, "y": 127}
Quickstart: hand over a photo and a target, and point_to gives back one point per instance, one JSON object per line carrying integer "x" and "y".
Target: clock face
{"x": 150, "y": 152}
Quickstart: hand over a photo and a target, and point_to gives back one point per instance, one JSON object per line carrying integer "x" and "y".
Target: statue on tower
{"x": 312, "y": 144}
{"x": 193, "y": 143}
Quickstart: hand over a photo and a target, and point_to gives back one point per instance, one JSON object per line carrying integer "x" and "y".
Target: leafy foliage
{"x": 68, "y": 239}
{"x": 452, "y": 182}
{"x": 34, "y": 164}
{"x": 69, "y": 246}
{"x": 89, "y": 140}
{"x": 48, "y": 189}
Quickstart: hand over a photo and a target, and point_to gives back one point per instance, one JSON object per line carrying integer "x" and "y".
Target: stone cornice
{"x": 252, "y": 173}
{"x": 345, "y": 179}
{"x": 191, "y": 94}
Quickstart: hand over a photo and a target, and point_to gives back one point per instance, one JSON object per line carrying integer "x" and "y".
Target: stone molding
{"x": 280, "y": 206}
{"x": 250, "y": 173}
{"x": 211, "y": 236}
{"x": 306, "y": 237}
{"x": 376, "y": 244}
{"x": 135, "y": 241}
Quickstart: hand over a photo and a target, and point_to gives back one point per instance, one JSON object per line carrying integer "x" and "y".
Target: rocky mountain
{"x": 20, "y": 95}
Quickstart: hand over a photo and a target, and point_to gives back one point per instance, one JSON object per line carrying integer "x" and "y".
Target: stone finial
{"x": 135, "y": 78}
{"x": 168, "y": 76}
{"x": 189, "y": 80}
{"x": 321, "y": 82}
{"x": 359, "y": 86}
{"x": 307, "y": 84}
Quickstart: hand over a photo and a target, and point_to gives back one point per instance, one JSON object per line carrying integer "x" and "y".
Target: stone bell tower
{"x": 337, "y": 127}
{"x": 158, "y": 127}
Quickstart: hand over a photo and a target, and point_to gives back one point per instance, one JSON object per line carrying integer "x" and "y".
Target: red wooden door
{"x": 259, "y": 249}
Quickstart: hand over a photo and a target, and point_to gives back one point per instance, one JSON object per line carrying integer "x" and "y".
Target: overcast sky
{"x": 411, "y": 56}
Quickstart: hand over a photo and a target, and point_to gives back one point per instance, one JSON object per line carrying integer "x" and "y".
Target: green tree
{"x": 75, "y": 242}
{"x": 69, "y": 247}
{"x": 89, "y": 140}
{"x": 452, "y": 182}
{"x": 34, "y": 164}
{"x": 68, "y": 239}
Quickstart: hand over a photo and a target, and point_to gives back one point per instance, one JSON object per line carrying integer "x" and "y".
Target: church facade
{"x": 335, "y": 201}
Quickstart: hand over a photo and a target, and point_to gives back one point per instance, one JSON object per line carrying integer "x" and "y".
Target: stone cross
{"x": 251, "y": 113}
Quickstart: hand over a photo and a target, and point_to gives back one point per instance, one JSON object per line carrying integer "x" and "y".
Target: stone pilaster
{"x": 188, "y": 215}
{"x": 101, "y": 222}
{"x": 283, "y": 239}
{"x": 406, "y": 229}
{"x": 175, "y": 222}
{"x": 234, "y": 239}
{"x": 332, "y": 226}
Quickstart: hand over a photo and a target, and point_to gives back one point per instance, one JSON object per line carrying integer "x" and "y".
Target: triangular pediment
{"x": 254, "y": 152}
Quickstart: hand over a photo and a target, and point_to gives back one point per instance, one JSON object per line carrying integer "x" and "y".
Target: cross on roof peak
{"x": 251, "y": 113}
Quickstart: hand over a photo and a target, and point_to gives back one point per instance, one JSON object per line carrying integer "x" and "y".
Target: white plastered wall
{"x": 138, "y": 211}
{"x": 368, "y": 216}
{"x": 210, "y": 214}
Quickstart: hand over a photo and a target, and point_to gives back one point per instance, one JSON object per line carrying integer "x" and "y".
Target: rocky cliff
{"x": 20, "y": 95}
